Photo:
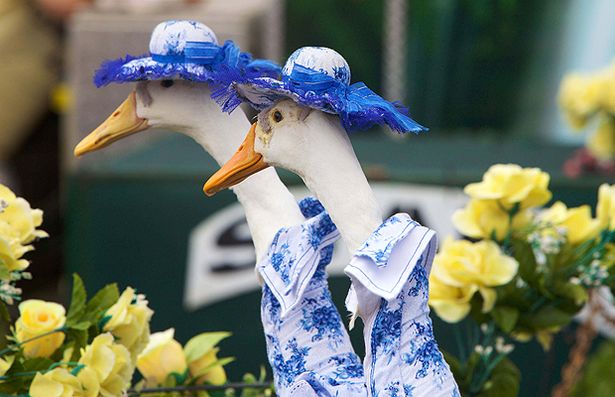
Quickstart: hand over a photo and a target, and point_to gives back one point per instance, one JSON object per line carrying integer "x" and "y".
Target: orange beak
{"x": 122, "y": 122}
{"x": 245, "y": 162}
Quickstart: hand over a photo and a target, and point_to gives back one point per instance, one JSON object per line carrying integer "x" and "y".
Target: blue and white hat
{"x": 319, "y": 78}
{"x": 186, "y": 50}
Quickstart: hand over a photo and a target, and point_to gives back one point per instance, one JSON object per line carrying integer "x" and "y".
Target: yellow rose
{"x": 481, "y": 265}
{"x": 452, "y": 304}
{"x": 601, "y": 144}
{"x": 483, "y": 218}
{"x": 578, "y": 221}
{"x": 38, "y": 317}
{"x": 581, "y": 96}
{"x": 110, "y": 362}
{"x": 129, "y": 321}
{"x": 162, "y": 357}
{"x": 201, "y": 355}
{"x": 10, "y": 255}
{"x": 509, "y": 184}
{"x": 90, "y": 383}
{"x": 605, "y": 211}
{"x": 56, "y": 383}
{"x": 17, "y": 213}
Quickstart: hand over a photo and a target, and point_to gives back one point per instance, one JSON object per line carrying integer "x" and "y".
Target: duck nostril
{"x": 116, "y": 114}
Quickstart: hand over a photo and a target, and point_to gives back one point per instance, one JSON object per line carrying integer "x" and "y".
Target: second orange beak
{"x": 245, "y": 162}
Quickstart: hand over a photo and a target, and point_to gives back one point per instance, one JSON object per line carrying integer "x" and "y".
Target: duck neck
{"x": 343, "y": 189}
{"x": 267, "y": 203}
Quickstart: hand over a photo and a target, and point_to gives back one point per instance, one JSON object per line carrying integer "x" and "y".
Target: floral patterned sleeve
{"x": 390, "y": 275}
{"x": 307, "y": 344}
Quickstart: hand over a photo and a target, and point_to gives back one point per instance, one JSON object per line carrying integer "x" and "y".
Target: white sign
{"x": 221, "y": 255}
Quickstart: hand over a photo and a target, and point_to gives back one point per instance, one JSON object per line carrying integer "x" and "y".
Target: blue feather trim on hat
{"x": 319, "y": 78}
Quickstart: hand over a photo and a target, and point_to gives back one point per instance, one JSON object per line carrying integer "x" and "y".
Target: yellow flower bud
{"x": 89, "y": 382}
{"x": 38, "y": 317}
{"x": 485, "y": 218}
{"x": 581, "y": 96}
{"x": 129, "y": 321}
{"x": 17, "y": 213}
{"x": 509, "y": 184}
{"x": 162, "y": 357}
{"x": 460, "y": 269}
{"x": 577, "y": 222}
{"x": 56, "y": 383}
{"x": 206, "y": 373}
{"x": 605, "y": 211}
{"x": 5, "y": 364}
{"x": 111, "y": 364}
{"x": 601, "y": 143}
{"x": 10, "y": 254}
{"x": 452, "y": 304}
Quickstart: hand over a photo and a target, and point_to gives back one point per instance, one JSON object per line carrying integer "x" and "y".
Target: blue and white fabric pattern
{"x": 390, "y": 273}
{"x": 185, "y": 50}
{"x": 307, "y": 344}
{"x": 319, "y": 78}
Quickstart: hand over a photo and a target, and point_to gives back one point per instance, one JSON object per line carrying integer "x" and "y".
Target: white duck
{"x": 391, "y": 260}
{"x": 271, "y": 210}
{"x": 186, "y": 107}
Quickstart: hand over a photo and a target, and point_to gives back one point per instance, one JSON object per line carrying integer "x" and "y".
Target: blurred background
{"x": 484, "y": 75}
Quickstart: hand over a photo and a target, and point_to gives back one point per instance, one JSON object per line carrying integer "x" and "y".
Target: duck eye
{"x": 277, "y": 116}
{"x": 167, "y": 83}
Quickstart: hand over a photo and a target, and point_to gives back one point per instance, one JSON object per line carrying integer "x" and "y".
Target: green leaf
{"x": 37, "y": 364}
{"x": 505, "y": 317}
{"x": 504, "y": 381}
{"x": 82, "y": 326}
{"x": 527, "y": 262}
{"x": 549, "y": 317}
{"x": 5, "y": 274}
{"x": 199, "y": 345}
{"x": 103, "y": 300}
{"x": 574, "y": 292}
{"x": 5, "y": 317}
{"x": 79, "y": 339}
{"x": 597, "y": 379}
{"x": 249, "y": 378}
{"x": 77, "y": 301}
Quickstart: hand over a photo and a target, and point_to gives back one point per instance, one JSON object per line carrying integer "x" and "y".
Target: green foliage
{"x": 81, "y": 328}
{"x": 203, "y": 343}
{"x": 503, "y": 381}
{"x": 100, "y": 303}
{"x": 505, "y": 317}
{"x": 77, "y": 302}
{"x": 598, "y": 379}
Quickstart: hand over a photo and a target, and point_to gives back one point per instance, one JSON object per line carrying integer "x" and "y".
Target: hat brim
{"x": 263, "y": 92}
{"x": 358, "y": 107}
{"x": 130, "y": 69}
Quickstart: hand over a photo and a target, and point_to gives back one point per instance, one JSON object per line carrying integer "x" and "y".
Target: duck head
{"x": 177, "y": 105}
{"x": 288, "y": 135}
{"x": 172, "y": 85}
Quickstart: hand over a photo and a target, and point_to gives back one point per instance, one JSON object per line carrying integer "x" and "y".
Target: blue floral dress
{"x": 390, "y": 273}
{"x": 307, "y": 344}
